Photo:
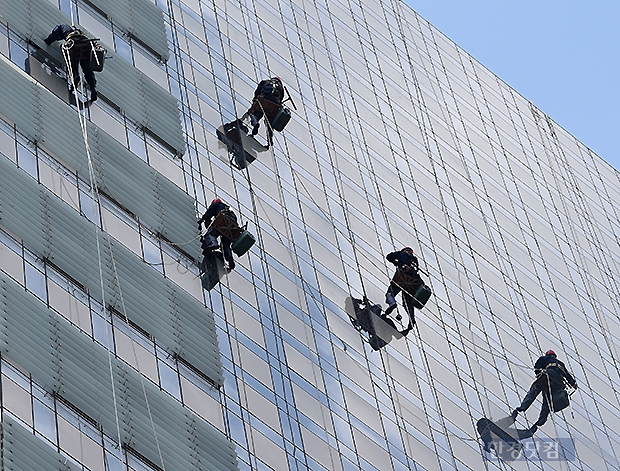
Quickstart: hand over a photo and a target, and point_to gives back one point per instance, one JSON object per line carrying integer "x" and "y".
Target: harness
{"x": 80, "y": 47}
{"x": 226, "y": 224}
{"x": 264, "y": 104}
{"x": 543, "y": 371}
{"x": 408, "y": 279}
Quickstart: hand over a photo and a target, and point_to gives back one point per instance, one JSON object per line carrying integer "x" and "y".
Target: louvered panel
{"x": 80, "y": 368}
{"x": 22, "y": 451}
{"x": 51, "y": 228}
{"x": 140, "y": 18}
{"x": 15, "y": 213}
{"x": 132, "y": 179}
{"x": 19, "y": 104}
{"x": 219, "y": 451}
{"x": 141, "y": 98}
{"x": 159, "y": 203}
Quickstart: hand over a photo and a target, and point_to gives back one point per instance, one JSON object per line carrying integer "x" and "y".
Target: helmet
{"x": 277, "y": 78}
{"x": 407, "y": 249}
{"x": 550, "y": 352}
{"x": 216, "y": 200}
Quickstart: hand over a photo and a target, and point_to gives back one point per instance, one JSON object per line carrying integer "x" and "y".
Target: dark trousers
{"x": 393, "y": 291}
{"x": 270, "y": 106}
{"x": 225, "y": 243}
{"x": 547, "y": 386}
{"x": 80, "y": 59}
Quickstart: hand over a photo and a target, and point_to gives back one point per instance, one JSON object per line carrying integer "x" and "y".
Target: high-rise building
{"x": 114, "y": 357}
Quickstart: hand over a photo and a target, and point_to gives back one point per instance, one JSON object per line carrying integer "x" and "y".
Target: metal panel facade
{"x": 141, "y": 19}
{"x": 120, "y": 174}
{"x": 55, "y": 231}
{"x": 78, "y": 369}
{"x": 137, "y": 95}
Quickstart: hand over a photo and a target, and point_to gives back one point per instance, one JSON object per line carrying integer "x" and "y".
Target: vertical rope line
{"x": 96, "y": 197}
{"x": 135, "y": 355}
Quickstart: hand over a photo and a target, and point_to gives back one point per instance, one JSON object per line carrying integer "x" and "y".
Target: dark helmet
{"x": 550, "y": 352}
{"x": 408, "y": 250}
{"x": 216, "y": 200}
{"x": 277, "y": 79}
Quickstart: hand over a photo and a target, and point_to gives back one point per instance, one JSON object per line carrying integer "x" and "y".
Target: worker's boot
{"x": 255, "y": 122}
{"x": 391, "y": 302}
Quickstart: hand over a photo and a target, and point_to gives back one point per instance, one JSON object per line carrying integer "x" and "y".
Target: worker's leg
{"x": 209, "y": 241}
{"x": 544, "y": 411}
{"x": 227, "y": 251}
{"x": 532, "y": 394}
{"x": 89, "y": 76}
{"x": 75, "y": 70}
{"x": 408, "y": 300}
{"x": 390, "y": 297}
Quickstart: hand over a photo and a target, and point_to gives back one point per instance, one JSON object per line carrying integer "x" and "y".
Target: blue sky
{"x": 564, "y": 56}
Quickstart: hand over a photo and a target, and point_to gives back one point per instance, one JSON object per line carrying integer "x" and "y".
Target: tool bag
{"x": 97, "y": 57}
{"x": 560, "y": 400}
{"x": 243, "y": 243}
{"x": 281, "y": 119}
{"x": 421, "y": 296}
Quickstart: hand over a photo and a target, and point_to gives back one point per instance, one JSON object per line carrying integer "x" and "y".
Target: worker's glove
{"x": 200, "y": 225}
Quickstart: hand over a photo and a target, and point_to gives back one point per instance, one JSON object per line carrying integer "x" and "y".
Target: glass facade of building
{"x": 399, "y": 138}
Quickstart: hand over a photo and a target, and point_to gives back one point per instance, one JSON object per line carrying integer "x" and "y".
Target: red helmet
{"x": 550, "y": 352}
{"x": 216, "y": 200}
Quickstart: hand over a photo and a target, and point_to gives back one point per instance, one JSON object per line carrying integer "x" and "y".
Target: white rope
{"x": 135, "y": 355}
{"x": 96, "y": 197}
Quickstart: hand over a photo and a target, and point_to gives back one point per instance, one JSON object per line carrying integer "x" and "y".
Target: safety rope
{"x": 492, "y": 241}
{"x": 135, "y": 355}
{"x": 384, "y": 270}
{"x": 350, "y": 240}
{"x": 583, "y": 214}
{"x": 96, "y": 197}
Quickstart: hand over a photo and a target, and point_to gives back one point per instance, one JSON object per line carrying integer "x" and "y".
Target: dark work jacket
{"x": 61, "y": 32}
{"x": 271, "y": 90}
{"x": 403, "y": 260}
{"x": 556, "y": 369}
{"x": 211, "y": 212}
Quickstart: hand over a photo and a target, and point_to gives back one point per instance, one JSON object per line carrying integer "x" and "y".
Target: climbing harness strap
{"x": 268, "y": 107}
{"x": 226, "y": 225}
{"x": 408, "y": 281}
{"x": 80, "y": 48}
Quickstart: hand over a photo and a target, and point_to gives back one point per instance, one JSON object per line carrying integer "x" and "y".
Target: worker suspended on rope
{"x": 268, "y": 101}
{"x": 406, "y": 279}
{"x": 551, "y": 379}
{"x": 209, "y": 240}
{"x": 83, "y": 52}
